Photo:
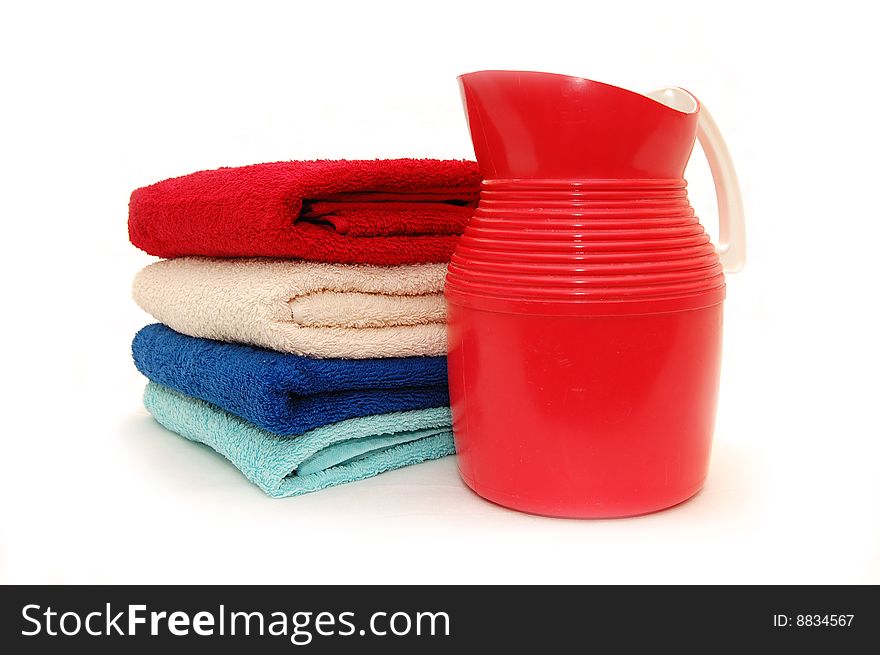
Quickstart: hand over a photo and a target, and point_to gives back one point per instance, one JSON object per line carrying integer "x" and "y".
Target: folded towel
{"x": 399, "y": 211}
{"x": 308, "y": 308}
{"x": 287, "y": 394}
{"x": 330, "y": 455}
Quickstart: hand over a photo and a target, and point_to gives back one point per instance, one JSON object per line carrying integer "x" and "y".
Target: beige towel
{"x": 308, "y": 308}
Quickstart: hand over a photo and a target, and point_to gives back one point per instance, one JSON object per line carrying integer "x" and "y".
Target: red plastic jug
{"x": 585, "y": 298}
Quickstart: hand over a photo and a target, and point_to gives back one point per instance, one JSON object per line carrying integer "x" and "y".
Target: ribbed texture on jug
{"x": 602, "y": 246}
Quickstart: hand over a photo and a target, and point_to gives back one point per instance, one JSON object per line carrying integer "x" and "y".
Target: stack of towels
{"x": 301, "y": 318}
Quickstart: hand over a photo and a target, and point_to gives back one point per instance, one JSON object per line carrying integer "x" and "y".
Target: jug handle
{"x": 731, "y": 220}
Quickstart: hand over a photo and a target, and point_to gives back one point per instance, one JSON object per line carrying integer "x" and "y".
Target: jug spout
{"x": 527, "y": 125}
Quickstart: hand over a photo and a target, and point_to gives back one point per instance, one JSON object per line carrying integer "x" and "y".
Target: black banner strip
{"x": 437, "y": 619}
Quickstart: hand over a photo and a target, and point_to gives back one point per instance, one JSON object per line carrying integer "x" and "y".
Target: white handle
{"x": 732, "y": 225}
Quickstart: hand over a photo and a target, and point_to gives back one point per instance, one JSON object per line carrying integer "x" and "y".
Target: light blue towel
{"x": 332, "y": 454}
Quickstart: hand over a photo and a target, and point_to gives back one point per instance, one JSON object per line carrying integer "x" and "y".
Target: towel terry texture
{"x": 334, "y": 454}
{"x": 308, "y": 308}
{"x": 384, "y": 212}
{"x": 287, "y": 394}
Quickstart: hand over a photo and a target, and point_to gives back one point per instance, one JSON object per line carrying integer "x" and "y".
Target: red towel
{"x": 384, "y": 212}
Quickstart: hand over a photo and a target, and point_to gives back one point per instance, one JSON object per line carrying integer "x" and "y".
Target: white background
{"x": 100, "y": 99}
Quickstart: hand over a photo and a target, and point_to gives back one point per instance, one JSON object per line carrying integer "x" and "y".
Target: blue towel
{"x": 324, "y": 457}
{"x": 283, "y": 393}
